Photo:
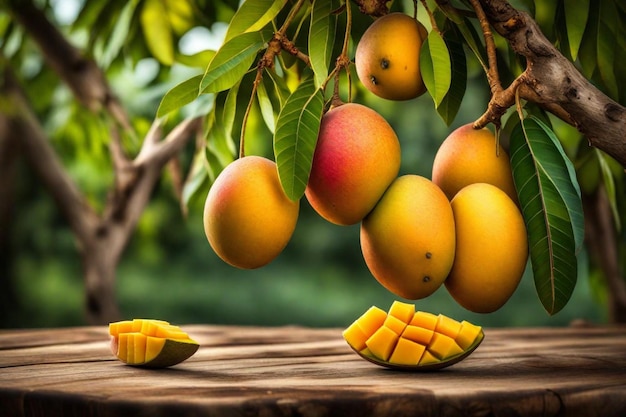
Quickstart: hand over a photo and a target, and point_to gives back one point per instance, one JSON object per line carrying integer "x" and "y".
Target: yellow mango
{"x": 382, "y": 342}
{"x": 443, "y": 346}
{"x": 355, "y": 336}
{"x": 371, "y": 320}
{"x": 425, "y": 320}
{"x": 448, "y": 326}
{"x": 468, "y": 334}
{"x": 395, "y": 324}
{"x": 429, "y": 359}
{"x": 403, "y": 311}
{"x": 418, "y": 334}
{"x": 407, "y": 352}
{"x": 150, "y": 343}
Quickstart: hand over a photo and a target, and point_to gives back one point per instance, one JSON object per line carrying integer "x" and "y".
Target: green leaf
{"x": 436, "y": 67}
{"x": 252, "y": 16}
{"x": 576, "y": 13}
{"x": 118, "y": 35}
{"x": 467, "y": 30}
{"x": 179, "y": 95}
{"x": 157, "y": 31}
{"x": 231, "y": 62}
{"x": 552, "y": 208}
{"x": 280, "y": 86}
{"x": 606, "y": 46}
{"x": 266, "y": 107}
{"x": 587, "y": 54}
{"x": 451, "y": 103}
{"x": 297, "y": 128}
{"x": 322, "y": 38}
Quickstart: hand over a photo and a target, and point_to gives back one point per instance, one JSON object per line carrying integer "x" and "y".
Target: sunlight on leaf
{"x": 252, "y": 16}
{"x": 157, "y": 30}
{"x": 180, "y": 95}
{"x": 436, "y": 67}
{"x": 231, "y": 62}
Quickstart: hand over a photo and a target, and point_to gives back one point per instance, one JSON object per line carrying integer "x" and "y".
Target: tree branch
{"x": 44, "y": 160}
{"x": 554, "y": 83}
{"x": 81, "y": 74}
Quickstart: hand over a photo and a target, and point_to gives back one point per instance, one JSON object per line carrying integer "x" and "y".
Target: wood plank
{"x": 287, "y": 371}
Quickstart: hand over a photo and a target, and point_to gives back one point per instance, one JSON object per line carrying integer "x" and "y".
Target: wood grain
{"x": 295, "y": 371}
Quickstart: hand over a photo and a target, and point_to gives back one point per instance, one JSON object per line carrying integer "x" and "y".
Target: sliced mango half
{"x": 150, "y": 343}
{"x": 403, "y": 338}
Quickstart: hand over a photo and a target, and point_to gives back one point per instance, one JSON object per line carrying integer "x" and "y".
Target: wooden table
{"x": 295, "y": 371}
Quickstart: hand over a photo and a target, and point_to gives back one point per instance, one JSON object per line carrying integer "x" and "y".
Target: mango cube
{"x": 407, "y": 352}
{"x": 382, "y": 342}
{"x": 402, "y": 311}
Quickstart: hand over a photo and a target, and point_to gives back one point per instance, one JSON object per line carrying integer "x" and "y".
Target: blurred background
{"x": 169, "y": 270}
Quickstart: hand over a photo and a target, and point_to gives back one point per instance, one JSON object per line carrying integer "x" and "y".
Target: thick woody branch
{"x": 44, "y": 160}
{"x": 554, "y": 83}
{"x": 80, "y": 73}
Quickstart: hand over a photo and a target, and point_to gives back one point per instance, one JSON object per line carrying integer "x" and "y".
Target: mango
{"x": 491, "y": 248}
{"x": 387, "y": 57}
{"x": 356, "y": 157}
{"x": 248, "y": 218}
{"x": 150, "y": 343}
{"x": 408, "y": 240}
{"x": 415, "y": 347}
{"x": 468, "y": 156}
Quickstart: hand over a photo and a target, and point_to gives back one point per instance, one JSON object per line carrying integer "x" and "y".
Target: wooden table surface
{"x": 295, "y": 371}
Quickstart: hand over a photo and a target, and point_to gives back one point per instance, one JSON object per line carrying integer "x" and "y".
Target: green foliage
{"x": 286, "y": 100}
{"x": 296, "y": 136}
{"x": 552, "y": 208}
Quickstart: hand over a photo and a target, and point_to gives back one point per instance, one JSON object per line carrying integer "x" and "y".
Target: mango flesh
{"x": 412, "y": 346}
{"x": 387, "y": 57}
{"x": 150, "y": 343}
{"x": 408, "y": 240}
{"x": 469, "y": 156}
{"x": 248, "y": 219}
{"x": 491, "y": 248}
{"x": 356, "y": 157}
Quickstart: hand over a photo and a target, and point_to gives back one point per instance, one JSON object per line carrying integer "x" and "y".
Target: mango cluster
{"x": 403, "y": 337}
{"x": 150, "y": 343}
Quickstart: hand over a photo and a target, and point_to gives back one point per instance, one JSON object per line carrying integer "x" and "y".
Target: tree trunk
{"x": 602, "y": 242}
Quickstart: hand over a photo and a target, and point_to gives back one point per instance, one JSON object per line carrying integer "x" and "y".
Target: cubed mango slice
{"x": 418, "y": 334}
{"x": 407, "y": 352}
{"x": 395, "y": 324}
{"x": 443, "y": 346}
{"x": 448, "y": 326}
{"x": 402, "y": 311}
{"x": 150, "y": 343}
{"x": 382, "y": 342}
{"x": 467, "y": 334}
{"x": 427, "y": 342}
{"x": 371, "y": 320}
{"x": 425, "y": 320}
{"x": 355, "y": 336}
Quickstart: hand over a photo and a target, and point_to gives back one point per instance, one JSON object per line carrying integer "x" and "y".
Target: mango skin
{"x": 356, "y": 157}
{"x": 387, "y": 57}
{"x": 491, "y": 248}
{"x": 408, "y": 240}
{"x": 468, "y": 156}
{"x": 248, "y": 219}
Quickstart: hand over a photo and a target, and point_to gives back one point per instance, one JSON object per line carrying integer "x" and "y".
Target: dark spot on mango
{"x": 384, "y": 63}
